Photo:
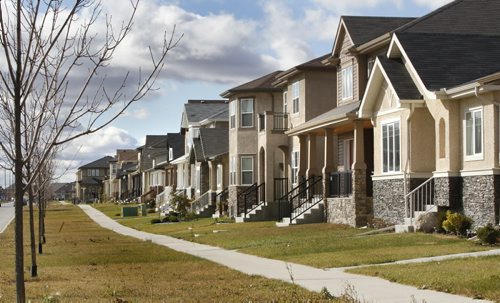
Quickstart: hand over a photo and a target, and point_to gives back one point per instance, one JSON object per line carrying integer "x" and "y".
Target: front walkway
{"x": 6, "y": 215}
{"x": 368, "y": 289}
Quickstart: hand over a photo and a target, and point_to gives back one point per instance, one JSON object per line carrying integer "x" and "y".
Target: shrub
{"x": 190, "y": 216}
{"x": 457, "y": 223}
{"x": 180, "y": 204}
{"x": 151, "y": 211}
{"x": 440, "y": 219}
{"x": 173, "y": 218}
{"x": 224, "y": 219}
{"x": 165, "y": 220}
{"x": 488, "y": 234}
{"x": 155, "y": 221}
{"x": 151, "y": 203}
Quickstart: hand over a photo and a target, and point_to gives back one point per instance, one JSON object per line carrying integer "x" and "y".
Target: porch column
{"x": 212, "y": 180}
{"x": 362, "y": 209}
{"x": 312, "y": 167}
{"x": 302, "y": 157}
{"x": 331, "y": 157}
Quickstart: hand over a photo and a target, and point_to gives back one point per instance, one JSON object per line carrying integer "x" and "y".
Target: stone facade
{"x": 388, "y": 200}
{"x": 448, "y": 192}
{"x": 481, "y": 199}
{"x": 233, "y": 192}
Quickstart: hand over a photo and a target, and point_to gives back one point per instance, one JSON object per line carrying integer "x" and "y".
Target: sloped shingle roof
{"x": 400, "y": 78}
{"x": 263, "y": 83}
{"x": 199, "y": 110}
{"x": 363, "y": 29}
{"x": 449, "y": 60}
{"x": 100, "y": 163}
{"x": 176, "y": 142}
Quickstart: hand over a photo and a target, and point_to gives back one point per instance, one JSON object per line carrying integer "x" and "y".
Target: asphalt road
{"x": 6, "y": 215}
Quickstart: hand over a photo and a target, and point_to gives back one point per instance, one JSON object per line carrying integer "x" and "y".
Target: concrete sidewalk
{"x": 368, "y": 289}
{"x": 6, "y": 215}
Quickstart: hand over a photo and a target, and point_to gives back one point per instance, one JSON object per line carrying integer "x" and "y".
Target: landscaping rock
{"x": 427, "y": 222}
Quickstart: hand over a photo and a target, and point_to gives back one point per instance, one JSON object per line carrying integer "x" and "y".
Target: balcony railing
{"x": 280, "y": 122}
{"x": 340, "y": 184}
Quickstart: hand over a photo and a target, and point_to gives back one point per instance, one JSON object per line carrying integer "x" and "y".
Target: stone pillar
{"x": 312, "y": 167}
{"x": 302, "y": 156}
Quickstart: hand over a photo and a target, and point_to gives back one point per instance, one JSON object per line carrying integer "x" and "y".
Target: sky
{"x": 225, "y": 43}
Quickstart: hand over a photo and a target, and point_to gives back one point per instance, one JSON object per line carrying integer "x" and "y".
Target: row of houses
{"x": 401, "y": 117}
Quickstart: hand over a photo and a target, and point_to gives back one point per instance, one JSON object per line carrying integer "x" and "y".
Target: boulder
{"x": 427, "y": 222}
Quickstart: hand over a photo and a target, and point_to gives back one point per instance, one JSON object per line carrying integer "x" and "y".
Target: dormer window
{"x": 295, "y": 97}
{"x": 347, "y": 88}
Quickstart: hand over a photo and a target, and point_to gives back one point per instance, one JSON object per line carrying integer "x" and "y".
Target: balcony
{"x": 278, "y": 122}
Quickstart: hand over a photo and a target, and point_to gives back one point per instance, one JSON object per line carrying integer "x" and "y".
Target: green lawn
{"x": 472, "y": 277}
{"x": 83, "y": 262}
{"x": 319, "y": 245}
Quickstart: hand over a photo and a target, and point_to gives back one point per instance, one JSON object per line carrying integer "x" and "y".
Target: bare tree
{"x": 54, "y": 86}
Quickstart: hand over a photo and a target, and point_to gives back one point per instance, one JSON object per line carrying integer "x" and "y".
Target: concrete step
{"x": 404, "y": 228}
{"x": 285, "y": 222}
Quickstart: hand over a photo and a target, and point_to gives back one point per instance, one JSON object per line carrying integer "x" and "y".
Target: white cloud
{"x": 140, "y": 113}
{"x": 431, "y": 3}
{"x": 344, "y": 7}
{"x": 92, "y": 147}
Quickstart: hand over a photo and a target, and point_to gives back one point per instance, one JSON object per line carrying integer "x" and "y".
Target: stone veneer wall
{"x": 341, "y": 211}
{"x": 481, "y": 199}
{"x": 448, "y": 192}
{"x": 388, "y": 200}
{"x": 232, "y": 200}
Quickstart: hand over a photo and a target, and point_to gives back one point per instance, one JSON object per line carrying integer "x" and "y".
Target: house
{"x": 151, "y": 178}
{"x": 332, "y": 148}
{"x": 113, "y": 187}
{"x": 89, "y": 179}
{"x": 192, "y": 172}
{"x": 252, "y": 107}
{"x": 64, "y": 191}
{"x": 432, "y": 100}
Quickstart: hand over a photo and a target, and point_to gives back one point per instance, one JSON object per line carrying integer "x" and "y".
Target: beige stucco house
{"x": 433, "y": 102}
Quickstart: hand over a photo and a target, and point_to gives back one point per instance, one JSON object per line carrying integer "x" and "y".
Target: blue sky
{"x": 225, "y": 43}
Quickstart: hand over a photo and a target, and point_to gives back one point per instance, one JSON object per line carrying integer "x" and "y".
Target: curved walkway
{"x": 6, "y": 215}
{"x": 367, "y": 289}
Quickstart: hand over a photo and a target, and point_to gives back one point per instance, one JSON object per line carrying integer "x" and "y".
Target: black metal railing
{"x": 340, "y": 184}
{"x": 280, "y": 122}
{"x": 285, "y": 202}
{"x": 280, "y": 187}
{"x": 240, "y": 199}
{"x": 254, "y": 198}
{"x": 308, "y": 198}
{"x": 221, "y": 201}
{"x": 262, "y": 122}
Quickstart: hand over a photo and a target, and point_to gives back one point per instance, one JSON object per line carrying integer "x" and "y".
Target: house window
{"x": 246, "y": 108}
{"x": 347, "y": 82}
{"x": 219, "y": 176}
{"x": 232, "y": 114}
{"x": 370, "y": 64}
{"x": 246, "y": 170}
{"x": 232, "y": 170}
{"x": 93, "y": 173}
{"x": 390, "y": 147}
{"x": 170, "y": 154}
{"x": 474, "y": 133}
{"x": 295, "y": 97}
{"x": 285, "y": 102}
{"x": 295, "y": 167}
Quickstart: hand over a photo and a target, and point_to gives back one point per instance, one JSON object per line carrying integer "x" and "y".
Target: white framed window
{"x": 246, "y": 170}
{"x": 473, "y": 126}
{"x": 93, "y": 172}
{"x": 246, "y": 111}
{"x": 295, "y": 97}
{"x": 232, "y": 114}
{"x": 232, "y": 171}
{"x": 219, "y": 176}
{"x": 285, "y": 102}
{"x": 391, "y": 147}
{"x": 170, "y": 154}
{"x": 295, "y": 167}
{"x": 347, "y": 89}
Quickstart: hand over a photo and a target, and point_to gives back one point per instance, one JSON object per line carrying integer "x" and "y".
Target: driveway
{"x": 6, "y": 215}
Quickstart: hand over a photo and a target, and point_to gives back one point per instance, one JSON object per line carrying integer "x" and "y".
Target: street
{"x": 6, "y": 215}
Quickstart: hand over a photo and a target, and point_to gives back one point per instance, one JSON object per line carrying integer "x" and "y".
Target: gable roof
{"x": 459, "y": 17}
{"x": 449, "y": 60}
{"x": 400, "y": 79}
{"x": 211, "y": 143}
{"x": 262, "y": 84}
{"x": 176, "y": 142}
{"x": 100, "y": 163}
{"x": 315, "y": 64}
{"x": 196, "y": 111}
{"x": 362, "y": 29}
{"x": 155, "y": 146}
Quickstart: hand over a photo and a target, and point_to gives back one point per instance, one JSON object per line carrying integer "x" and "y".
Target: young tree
{"x": 54, "y": 84}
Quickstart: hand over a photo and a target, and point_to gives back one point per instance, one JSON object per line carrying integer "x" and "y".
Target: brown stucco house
{"x": 432, "y": 101}
{"x": 89, "y": 186}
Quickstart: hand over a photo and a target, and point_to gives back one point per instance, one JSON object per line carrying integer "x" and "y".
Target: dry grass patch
{"x": 472, "y": 277}
{"x": 318, "y": 245}
{"x": 83, "y": 262}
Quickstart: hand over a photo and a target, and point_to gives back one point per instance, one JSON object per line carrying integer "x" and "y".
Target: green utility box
{"x": 129, "y": 211}
{"x": 142, "y": 210}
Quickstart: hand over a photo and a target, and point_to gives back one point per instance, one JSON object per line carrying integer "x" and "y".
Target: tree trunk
{"x": 40, "y": 224}
{"x": 32, "y": 234}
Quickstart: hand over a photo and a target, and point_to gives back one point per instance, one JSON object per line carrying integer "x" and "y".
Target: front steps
{"x": 314, "y": 214}
{"x": 257, "y": 214}
{"x": 410, "y": 223}
{"x": 205, "y": 212}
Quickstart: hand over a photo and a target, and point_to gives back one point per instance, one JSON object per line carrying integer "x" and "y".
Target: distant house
{"x": 64, "y": 191}
{"x": 89, "y": 179}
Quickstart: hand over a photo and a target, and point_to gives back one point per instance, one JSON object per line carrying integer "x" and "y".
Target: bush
{"x": 151, "y": 203}
{"x": 457, "y": 223}
{"x": 173, "y": 218}
{"x": 190, "y": 216}
{"x": 155, "y": 221}
{"x": 165, "y": 220}
{"x": 180, "y": 203}
{"x": 440, "y": 219}
{"x": 224, "y": 219}
{"x": 488, "y": 234}
{"x": 151, "y": 211}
